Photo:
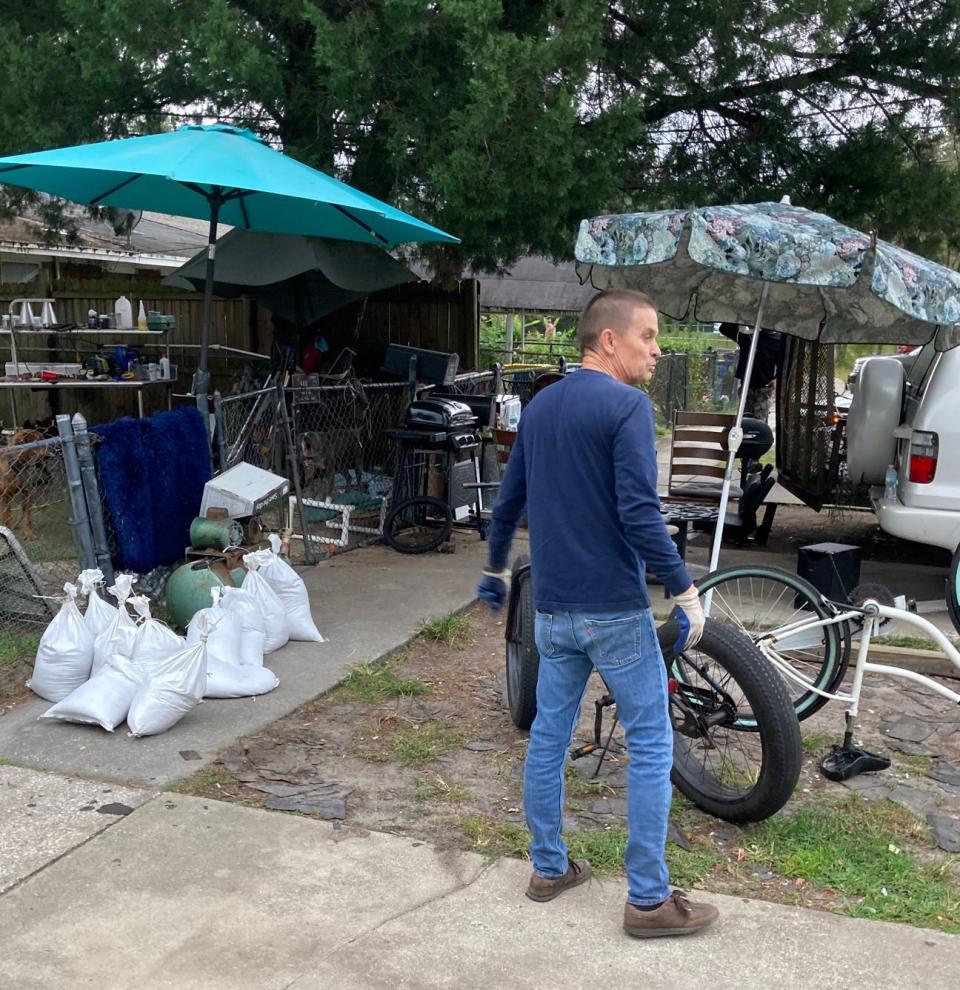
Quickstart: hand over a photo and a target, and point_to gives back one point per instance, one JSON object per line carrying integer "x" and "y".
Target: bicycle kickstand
{"x": 846, "y": 761}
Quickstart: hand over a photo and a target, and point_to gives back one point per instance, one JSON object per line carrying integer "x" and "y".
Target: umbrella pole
{"x": 735, "y": 437}
{"x": 201, "y": 380}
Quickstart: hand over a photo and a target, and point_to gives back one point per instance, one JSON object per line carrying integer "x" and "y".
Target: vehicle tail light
{"x": 924, "y": 448}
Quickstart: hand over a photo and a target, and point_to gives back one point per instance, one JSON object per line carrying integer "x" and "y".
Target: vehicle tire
{"x": 874, "y": 415}
{"x": 523, "y": 658}
{"x": 756, "y": 599}
{"x": 736, "y": 742}
{"x": 953, "y": 590}
{"x": 418, "y": 525}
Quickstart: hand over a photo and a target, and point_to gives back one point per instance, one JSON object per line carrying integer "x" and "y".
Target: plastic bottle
{"x": 165, "y": 368}
{"x": 124, "y": 313}
{"x": 142, "y": 317}
{"x": 890, "y": 484}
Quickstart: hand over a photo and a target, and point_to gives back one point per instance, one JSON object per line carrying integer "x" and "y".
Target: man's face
{"x": 635, "y": 350}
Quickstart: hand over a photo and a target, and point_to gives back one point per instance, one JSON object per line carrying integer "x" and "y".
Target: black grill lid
{"x": 445, "y": 414}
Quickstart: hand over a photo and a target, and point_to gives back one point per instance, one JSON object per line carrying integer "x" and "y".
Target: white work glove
{"x": 690, "y": 618}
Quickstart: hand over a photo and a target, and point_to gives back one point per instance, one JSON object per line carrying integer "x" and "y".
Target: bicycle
{"x": 806, "y": 637}
{"x": 737, "y": 751}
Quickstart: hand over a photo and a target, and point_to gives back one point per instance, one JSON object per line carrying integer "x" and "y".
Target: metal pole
{"x": 80, "y": 523}
{"x": 220, "y": 429}
{"x": 735, "y": 437}
{"x": 294, "y": 471}
{"x": 201, "y": 380}
{"x": 91, "y": 491}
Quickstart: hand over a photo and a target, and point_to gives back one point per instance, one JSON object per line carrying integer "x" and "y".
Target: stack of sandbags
{"x": 228, "y": 675}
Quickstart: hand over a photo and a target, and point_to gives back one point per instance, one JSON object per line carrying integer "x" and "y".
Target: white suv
{"x": 910, "y": 420}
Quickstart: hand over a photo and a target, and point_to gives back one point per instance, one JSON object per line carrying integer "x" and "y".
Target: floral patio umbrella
{"x": 773, "y": 265}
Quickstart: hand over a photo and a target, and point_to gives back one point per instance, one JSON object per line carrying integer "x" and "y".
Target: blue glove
{"x": 689, "y": 616}
{"x": 494, "y": 587}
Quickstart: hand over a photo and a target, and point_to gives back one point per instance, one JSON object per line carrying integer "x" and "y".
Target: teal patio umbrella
{"x": 222, "y": 174}
{"x": 298, "y": 278}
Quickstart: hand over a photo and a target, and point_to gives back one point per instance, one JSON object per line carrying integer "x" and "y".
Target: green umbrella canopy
{"x": 218, "y": 173}
{"x": 298, "y": 278}
{"x": 181, "y": 172}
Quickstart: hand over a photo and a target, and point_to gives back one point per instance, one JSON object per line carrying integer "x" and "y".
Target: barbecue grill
{"x": 438, "y": 424}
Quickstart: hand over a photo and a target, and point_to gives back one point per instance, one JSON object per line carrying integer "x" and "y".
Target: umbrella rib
{"x": 110, "y": 192}
{"x": 359, "y": 223}
{"x": 243, "y": 209}
{"x": 13, "y": 168}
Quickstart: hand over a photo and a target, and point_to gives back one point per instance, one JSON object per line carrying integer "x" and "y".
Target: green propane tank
{"x": 188, "y": 590}
{"x": 215, "y": 534}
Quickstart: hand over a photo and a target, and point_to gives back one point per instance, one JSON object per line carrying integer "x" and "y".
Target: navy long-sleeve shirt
{"x": 585, "y": 466}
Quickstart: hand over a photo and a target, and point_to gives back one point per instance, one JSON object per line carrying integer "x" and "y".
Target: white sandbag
{"x": 223, "y": 638}
{"x": 245, "y": 608}
{"x": 169, "y": 692}
{"x": 230, "y": 680}
{"x": 65, "y": 653}
{"x": 154, "y": 643}
{"x": 274, "y": 611}
{"x": 105, "y": 699}
{"x": 117, "y": 639}
{"x": 99, "y": 614}
{"x": 292, "y": 592}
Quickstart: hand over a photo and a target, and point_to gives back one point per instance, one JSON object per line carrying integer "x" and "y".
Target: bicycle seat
{"x": 844, "y": 762}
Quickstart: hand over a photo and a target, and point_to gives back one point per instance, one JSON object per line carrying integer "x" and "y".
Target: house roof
{"x": 534, "y": 284}
{"x": 157, "y": 241}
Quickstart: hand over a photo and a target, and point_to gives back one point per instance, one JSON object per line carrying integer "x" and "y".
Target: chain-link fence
{"x": 699, "y": 381}
{"x": 249, "y": 429}
{"x": 37, "y": 554}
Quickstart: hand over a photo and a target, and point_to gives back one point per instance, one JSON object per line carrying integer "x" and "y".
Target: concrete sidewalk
{"x": 188, "y": 893}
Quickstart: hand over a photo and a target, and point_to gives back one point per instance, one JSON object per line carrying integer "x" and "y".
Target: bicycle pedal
{"x": 842, "y": 763}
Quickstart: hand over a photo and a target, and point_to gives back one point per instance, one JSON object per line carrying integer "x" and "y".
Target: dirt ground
{"x": 446, "y": 767}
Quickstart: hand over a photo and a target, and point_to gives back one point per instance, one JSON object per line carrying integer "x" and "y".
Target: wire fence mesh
{"x": 37, "y": 554}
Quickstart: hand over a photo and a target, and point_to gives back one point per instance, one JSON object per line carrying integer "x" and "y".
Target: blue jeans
{"x": 624, "y": 649}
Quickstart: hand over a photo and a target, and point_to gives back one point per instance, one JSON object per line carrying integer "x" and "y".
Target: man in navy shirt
{"x": 584, "y": 467}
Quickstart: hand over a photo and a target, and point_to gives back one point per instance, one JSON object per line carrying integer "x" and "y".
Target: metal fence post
{"x": 91, "y": 490}
{"x": 294, "y": 471}
{"x": 220, "y": 429}
{"x": 80, "y": 522}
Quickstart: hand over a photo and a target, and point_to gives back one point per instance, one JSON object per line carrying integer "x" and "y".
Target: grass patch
{"x": 854, "y": 848}
{"x": 419, "y": 744}
{"x": 816, "y": 742}
{"x": 205, "y": 783}
{"x": 604, "y": 848}
{"x": 16, "y": 646}
{"x": 494, "y": 838}
{"x": 578, "y": 787}
{"x": 375, "y": 682}
{"x": 450, "y": 630}
{"x": 438, "y": 789}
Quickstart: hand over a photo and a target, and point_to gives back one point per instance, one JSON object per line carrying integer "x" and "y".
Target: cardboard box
{"x": 243, "y": 490}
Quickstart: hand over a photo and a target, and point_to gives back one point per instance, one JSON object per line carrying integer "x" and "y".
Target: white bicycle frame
{"x": 769, "y": 641}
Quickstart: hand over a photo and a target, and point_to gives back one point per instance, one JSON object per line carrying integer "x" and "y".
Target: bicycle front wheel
{"x": 418, "y": 525}
{"x": 736, "y": 743}
{"x": 756, "y": 599}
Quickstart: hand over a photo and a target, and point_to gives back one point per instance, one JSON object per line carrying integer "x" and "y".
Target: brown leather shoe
{"x": 545, "y": 889}
{"x": 677, "y": 915}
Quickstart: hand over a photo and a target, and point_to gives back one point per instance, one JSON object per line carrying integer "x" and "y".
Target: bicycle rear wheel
{"x": 757, "y": 599}
{"x": 523, "y": 659}
{"x": 736, "y": 741}
{"x": 418, "y": 525}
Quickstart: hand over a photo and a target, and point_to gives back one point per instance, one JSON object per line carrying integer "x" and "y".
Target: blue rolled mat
{"x": 152, "y": 472}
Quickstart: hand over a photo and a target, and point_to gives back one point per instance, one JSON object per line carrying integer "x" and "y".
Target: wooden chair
{"x": 698, "y": 456}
